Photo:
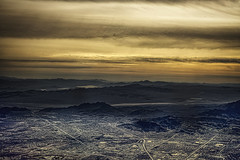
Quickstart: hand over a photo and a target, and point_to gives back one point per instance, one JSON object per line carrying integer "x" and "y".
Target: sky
{"x": 121, "y": 40}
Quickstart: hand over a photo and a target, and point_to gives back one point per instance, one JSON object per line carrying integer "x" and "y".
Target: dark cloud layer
{"x": 190, "y": 60}
{"x": 129, "y": 60}
{"x": 158, "y": 1}
{"x": 31, "y": 27}
{"x": 38, "y": 60}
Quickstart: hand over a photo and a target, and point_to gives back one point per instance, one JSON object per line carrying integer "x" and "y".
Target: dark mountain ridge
{"x": 13, "y": 111}
{"x": 99, "y": 108}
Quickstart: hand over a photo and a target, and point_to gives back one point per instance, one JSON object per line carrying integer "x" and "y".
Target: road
{"x": 145, "y": 149}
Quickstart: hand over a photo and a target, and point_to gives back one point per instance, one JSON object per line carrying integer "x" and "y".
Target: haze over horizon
{"x": 157, "y": 40}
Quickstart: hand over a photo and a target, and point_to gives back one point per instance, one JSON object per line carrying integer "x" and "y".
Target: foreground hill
{"x": 13, "y": 111}
{"x": 99, "y": 108}
{"x": 230, "y": 110}
{"x": 227, "y": 118}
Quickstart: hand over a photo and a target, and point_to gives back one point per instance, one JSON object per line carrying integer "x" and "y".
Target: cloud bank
{"x": 109, "y": 37}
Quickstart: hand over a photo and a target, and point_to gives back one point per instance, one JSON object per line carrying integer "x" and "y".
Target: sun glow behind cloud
{"x": 182, "y": 41}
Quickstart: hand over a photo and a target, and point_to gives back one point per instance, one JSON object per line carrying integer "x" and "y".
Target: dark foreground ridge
{"x": 99, "y": 108}
{"x": 228, "y": 117}
{"x": 229, "y": 110}
{"x": 13, "y": 111}
{"x": 160, "y": 124}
